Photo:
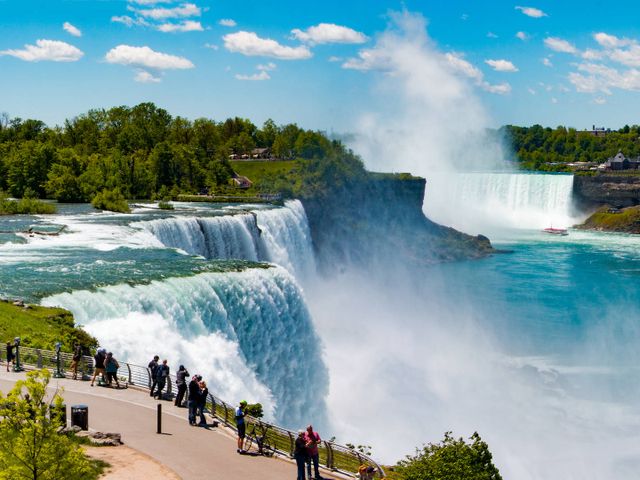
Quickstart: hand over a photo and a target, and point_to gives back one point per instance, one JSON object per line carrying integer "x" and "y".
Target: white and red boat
{"x": 556, "y": 231}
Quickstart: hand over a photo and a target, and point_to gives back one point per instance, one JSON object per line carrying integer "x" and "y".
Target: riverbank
{"x": 611, "y": 219}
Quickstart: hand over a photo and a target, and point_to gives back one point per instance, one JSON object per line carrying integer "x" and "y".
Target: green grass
{"x": 25, "y": 206}
{"x": 628, "y": 220}
{"x": 41, "y": 327}
{"x": 263, "y": 173}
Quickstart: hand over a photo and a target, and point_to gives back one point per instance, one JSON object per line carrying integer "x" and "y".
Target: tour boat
{"x": 556, "y": 231}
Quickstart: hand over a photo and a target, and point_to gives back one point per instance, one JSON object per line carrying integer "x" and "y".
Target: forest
{"x": 142, "y": 152}
{"x": 547, "y": 149}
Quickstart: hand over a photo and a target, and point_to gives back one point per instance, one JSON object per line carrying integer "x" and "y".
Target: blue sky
{"x": 570, "y": 63}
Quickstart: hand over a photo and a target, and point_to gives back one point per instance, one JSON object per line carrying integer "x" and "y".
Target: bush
{"x": 164, "y": 205}
{"x": 25, "y": 206}
{"x": 111, "y": 200}
{"x": 451, "y": 459}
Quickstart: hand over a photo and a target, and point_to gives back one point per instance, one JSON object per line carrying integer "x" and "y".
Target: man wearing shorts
{"x": 241, "y": 425}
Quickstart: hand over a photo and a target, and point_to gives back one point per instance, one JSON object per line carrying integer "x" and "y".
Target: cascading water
{"x": 278, "y": 235}
{"x": 486, "y": 202}
{"x": 249, "y": 333}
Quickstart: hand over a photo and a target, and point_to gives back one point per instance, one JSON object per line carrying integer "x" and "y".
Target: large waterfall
{"x": 482, "y": 202}
{"x": 249, "y": 333}
{"x": 279, "y": 235}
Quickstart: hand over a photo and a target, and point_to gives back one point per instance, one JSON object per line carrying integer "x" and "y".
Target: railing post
{"x": 39, "y": 361}
{"x": 291, "y": 443}
{"x": 329, "y": 455}
{"x": 226, "y": 414}
{"x": 17, "y": 367}
{"x": 129, "y": 370}
{"x": 149, "y": 378}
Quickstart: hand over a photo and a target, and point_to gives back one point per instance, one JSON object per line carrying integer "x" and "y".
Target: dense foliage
{"x": 451, "y": 459}
{"x": 539, "y": 148}
{"x": 143, "y": 151}
{"x": 30, "y": 445}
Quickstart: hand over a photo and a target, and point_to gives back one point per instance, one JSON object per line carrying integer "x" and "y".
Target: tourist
{"x": 192, "y": 401}
{"x": 162, "y": 374}
{"x": 366, "y": 472}
{"x": 10, "y": 354}
{"x": 98, "y": 369}
{"x": 202, "y": 402}
{"x": 300, "y": 453}
{"x": 181, "y": 383}
{"x": 75, "y": 361}
{"x": 240, "y": 413}
{"x": 312, "y": 440}
{"x": 153, "y": 369}
{"x": 111, "y": 366}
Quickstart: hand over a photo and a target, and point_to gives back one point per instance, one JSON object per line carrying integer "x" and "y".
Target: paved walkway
{"x": 192, "y": 452}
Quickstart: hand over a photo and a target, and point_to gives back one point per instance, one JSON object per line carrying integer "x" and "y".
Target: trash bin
{"x": 61, "y": 411}
{"x": 80, "y": 416}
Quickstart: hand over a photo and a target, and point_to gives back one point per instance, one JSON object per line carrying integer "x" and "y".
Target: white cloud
{"x": 522, "y": 36}
{"x": 227, "y": 22}
{"x": 185, "y": 26}
{"x": 532, "y": 12}
{"x": 333, "y": 58}
{"x": 71, "y": 30}
{"x": 211, "y": 46}
{"x": 248, "y": 43}
{"x": 501, "y": 65}
{"x": 591, "y": 54}
{"x": 491, "y": 35}
{"x": 263, "y": 75}
{"x": 183, "y": 11}
{"x": 599, "y": 100}
{"x": 610, "y": 41}
{"x": 267, "y": 67}
{"x": 143, "y": 76}
{"x": 600, "y": 78}
{"x": 46, "y": 50}
{"x": 146, "y": 57}
{"x": 547, "y": 62}
{"x": 531, "y": 91}
{"x": 128, "y": 21}
{"x": 329, "y": 33}
{"x": 559, "y": 45}
{"x": 554, "y": 100}
{"x": 460, "y": 65}
{"x": 500, "y": 89}
{"x": 629, "y": 57}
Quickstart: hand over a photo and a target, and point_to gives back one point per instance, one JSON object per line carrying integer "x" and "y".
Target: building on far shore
{"x": 620, "y": 162}
{"x": 598, "y": 131}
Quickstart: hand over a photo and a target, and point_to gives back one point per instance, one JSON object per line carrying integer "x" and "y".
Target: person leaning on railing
{"x": 75, "y": 361}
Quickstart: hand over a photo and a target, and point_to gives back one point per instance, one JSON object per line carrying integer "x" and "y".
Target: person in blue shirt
{"x": 241, "y": 425}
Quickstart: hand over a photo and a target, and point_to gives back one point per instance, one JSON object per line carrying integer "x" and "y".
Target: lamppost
{"x": 17, "y": 367}
{"x": 58, "y": 373}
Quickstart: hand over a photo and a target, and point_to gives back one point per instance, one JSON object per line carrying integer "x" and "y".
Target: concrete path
{"x": 192, "y": 452}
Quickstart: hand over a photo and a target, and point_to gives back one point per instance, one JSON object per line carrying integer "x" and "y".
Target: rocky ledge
{"x": 612, "y": 219}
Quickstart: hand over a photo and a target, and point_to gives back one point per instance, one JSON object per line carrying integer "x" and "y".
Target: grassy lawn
{"x": 262, "y": 173}
{"x": 40, "y": 327}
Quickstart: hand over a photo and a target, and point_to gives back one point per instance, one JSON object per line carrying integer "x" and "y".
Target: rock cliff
{"x": 618, "y": 190}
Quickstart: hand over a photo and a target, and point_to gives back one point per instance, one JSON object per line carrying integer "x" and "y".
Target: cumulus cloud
{"x": 522, "y": 36}
{"x": 143, "y": 76}
{"x": 145, "y": 57}
{"x": 227, "y": 22}
{"x": 629, "y": 57}
{"x": 491, "y": 35}
{"x": 328, "y": 33}
{"x": 595, "y": 78}
{"x": 501, "y": 65}
{"x": 185, "y": 26}
{"x": 71, "y": 30}
{"x": 46, "y": 50}
{"x": 560, "y": 45}
{"x": 460, "y": 65}
{"x": 262, "y": 75}
{"x": 610, "y": 41}
{"x": 532, "y": 12}
{"x": 599, "y": 100}
{"x": 128, "y": 21}
{"x": 183, "y": 11}
{"x": 250, "y": 44}
{"x": 149, "y": 2}
{"x": 267, "y": 67}
{"x": 547, "y": 62}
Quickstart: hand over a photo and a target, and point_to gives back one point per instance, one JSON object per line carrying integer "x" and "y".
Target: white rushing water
{"x": 486, "y": 202}
{"x": 248, "y": 333}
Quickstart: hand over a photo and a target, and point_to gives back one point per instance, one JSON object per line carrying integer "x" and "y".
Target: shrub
{"x": 111, "y": 200}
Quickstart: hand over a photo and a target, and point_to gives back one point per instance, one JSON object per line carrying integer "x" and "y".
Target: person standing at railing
{"x": 240, "y": 425}
{"x": 181, "y": 383}
{"x": 10, "y": 355}
{"x": 313, "y": 440}
{"x": 162, "y": 374}
{"x": 111, "y": 366}
{"x": 75, "y": 361}
{"x": 153, "y": 370}
{"x": 300, "y": 453}
{"x": 202, "y": 402}
{"x": 192, "y": 402}
{"x": 98, "y": 358}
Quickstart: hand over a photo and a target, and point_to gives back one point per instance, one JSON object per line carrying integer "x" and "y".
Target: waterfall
{"x": 278, "y": 235}
{"x": 248, "y": 333}
{"x": 479, "y": 202}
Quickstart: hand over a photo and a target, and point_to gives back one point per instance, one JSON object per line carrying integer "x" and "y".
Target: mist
{"x": 414, "y": 352}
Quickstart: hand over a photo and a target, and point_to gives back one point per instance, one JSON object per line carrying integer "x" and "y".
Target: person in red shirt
{"x": 312, "y": 440}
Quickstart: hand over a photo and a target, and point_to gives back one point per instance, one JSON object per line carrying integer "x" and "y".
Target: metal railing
{"x": 333, "y": 456}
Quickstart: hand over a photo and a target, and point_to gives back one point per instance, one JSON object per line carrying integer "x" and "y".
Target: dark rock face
{"x": 607, "y": 189}
{"x": 378, "y": 220}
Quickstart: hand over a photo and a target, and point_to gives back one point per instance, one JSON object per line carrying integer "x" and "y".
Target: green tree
{"x": 451, "y": 459}
{"x": 30, "y": 445}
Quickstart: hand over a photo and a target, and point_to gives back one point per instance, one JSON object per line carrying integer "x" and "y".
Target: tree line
{"x": 540, "y": 148}
{"x": 142, "y": 151}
